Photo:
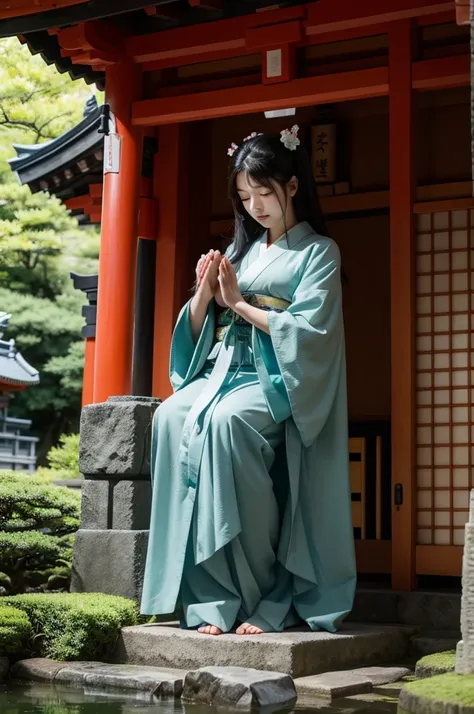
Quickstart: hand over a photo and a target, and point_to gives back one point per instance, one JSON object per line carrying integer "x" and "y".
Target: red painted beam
{"x": 183, "y": 104}
{"x": 442, "y": 73}
{"x": 324, "y": 89}
{"x": 187, "y": 45}
{"x": 330, "y": 16}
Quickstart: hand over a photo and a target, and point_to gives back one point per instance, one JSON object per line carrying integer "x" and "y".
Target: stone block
{"x": 239, "y": 688}
{"x": 465, "y": 652}
{"x": 38, "y": 669}
{"x": 332, "y": 685}
{"x": 294, "y": 652}
{"x": 95, "y": 504}
{"x": 116, "y": 437}
{"x": 430, "y": 642}
{"x": 379, "y": 676}
{"x": 131, "y": 505}
{"x": 459, "y": 668}
{"x": 160, "y": 683}
{"x": 374, "y": 606}
{"x": 429, "y": 610}
{"x": 109, "y": 562}
{"x": 347, "y": 683}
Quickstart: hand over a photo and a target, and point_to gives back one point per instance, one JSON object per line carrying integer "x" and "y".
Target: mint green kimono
{"x": 251, "y": 511}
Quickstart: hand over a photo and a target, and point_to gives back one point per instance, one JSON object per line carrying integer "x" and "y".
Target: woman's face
{"x": 267, "y": 207}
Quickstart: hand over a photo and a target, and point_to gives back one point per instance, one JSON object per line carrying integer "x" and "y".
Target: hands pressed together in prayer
{"x": 216, "y": 278}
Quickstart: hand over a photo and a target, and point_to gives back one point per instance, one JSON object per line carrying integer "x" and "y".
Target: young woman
{"x": 251, "y": 514}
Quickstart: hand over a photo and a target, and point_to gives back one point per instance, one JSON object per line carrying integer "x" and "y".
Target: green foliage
{"x": 35, "y": 231}
{"x": 77, "y": 626}
{"x": 40, "y": 243}
{"x": 15, "y": 630}
{"x": 66, "y": 456}
{"x": 47, "y": 335}
{"x": 37, "y": 521}
{"x": 63, "y": 460}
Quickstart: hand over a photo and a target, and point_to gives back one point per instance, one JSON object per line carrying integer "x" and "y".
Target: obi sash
{"x": 228, "y": 317}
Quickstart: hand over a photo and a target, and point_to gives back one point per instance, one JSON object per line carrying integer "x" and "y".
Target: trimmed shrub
{"x": 15, "y": 631}
{"x": 65, "y": 457}
{"x": 37, "y": 522}
{"x": 75, "y": 626}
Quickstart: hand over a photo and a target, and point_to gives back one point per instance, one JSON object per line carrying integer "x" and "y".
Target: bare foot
{"x": 209, "y": 630}
{"x": 247, "y": 629}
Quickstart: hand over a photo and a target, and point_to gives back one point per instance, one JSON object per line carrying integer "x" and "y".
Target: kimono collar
{"x": 259, "y": 262}
{"x": 292, "y": 237}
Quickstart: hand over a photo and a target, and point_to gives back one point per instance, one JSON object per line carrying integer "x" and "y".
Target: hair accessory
{"x": 289, "y": 137}
{"x": 233, "y": 147}
{"x": 252, "y": 135}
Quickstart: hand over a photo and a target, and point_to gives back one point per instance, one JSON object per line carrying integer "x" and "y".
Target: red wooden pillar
{"x": 171, "y": 189}
{"x": 118, "y": 248}
{"x": 89, "y": 366}
{"x": 402, "y": 251}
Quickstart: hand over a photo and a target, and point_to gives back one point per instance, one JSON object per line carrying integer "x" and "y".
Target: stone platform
{"x": 296, "y": 652}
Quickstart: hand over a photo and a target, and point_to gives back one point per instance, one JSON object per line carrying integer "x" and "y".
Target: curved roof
{"x": 14, "y": 369}
{"x": 67, "y": 164}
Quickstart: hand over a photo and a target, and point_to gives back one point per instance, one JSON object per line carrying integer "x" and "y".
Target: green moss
{"x": 69, "y": 626}
{"x": 438, "y": 663}
{"x": 450, "y": 687}
{"x": 15, "y": 631}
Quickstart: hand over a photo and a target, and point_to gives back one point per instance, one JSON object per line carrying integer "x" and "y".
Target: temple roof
{"x": 135, "y": 17}
{"x": 68, "y": 164}
{"x": 14, "y": 369}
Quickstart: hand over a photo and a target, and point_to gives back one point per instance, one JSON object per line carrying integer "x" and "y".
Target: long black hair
{"x": 265, "y": 159}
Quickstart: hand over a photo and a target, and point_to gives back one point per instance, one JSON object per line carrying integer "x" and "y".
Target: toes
{"x": 247, "y": 629}
{"x": 209, "y": 630}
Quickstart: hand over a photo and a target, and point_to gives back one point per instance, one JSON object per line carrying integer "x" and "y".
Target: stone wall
{"x": 465, "y": 649}
{"x": 110, "y": 547}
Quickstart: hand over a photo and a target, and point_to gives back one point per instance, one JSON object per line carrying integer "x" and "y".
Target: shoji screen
{"x": 444, "y": 378}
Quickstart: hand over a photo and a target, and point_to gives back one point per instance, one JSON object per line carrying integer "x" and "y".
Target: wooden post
{"x": 402, "y": 186}
{"x": 89, "y": 367}
{"x": 171, "y": 190}
{"x": 118, "y": 248}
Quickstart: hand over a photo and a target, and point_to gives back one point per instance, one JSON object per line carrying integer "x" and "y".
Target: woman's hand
{"x": 207, "y": 270}
{"x": 230, "y": 292}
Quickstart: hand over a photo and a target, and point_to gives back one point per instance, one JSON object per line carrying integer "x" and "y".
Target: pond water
{"x": 49, "y": 699}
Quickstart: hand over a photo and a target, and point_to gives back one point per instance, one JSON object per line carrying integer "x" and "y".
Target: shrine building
{"x": 381, "y": 93}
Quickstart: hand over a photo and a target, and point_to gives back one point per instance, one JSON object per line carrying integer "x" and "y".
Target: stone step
{"x": 346, "y": 683}
{"x": 431, "y": 641}
{"x": 297, "y": 652}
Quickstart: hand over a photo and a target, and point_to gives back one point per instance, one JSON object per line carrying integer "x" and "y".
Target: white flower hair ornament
{"x": 289, "y": 137}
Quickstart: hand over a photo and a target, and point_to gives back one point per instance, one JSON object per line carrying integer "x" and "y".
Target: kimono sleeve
{"x": 308, "y": 341}
{"x": 187, "y": 358}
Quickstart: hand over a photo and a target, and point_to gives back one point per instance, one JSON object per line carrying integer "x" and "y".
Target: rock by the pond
{"x": 37, "y": 669}
{"x": 347, "y": 683}
{"x": 239, "y": 688}
{"x": 4, "y": 667}
{"x": 154, "y": 681}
